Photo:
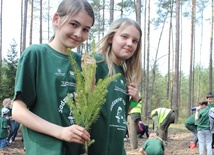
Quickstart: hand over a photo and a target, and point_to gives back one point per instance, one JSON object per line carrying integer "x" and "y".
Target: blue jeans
{"x": 193, "y": 129}
{"x": 14, "y": 130}
{"x": 205, "y": 139}
{"x": 3, "y": 143}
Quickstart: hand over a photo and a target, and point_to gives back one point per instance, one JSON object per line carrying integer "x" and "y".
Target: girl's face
{"x": 74, "y": 32}
{"x": 124, "y": 43}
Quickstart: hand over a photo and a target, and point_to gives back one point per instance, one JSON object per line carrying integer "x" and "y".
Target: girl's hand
{"x": 133, "y": 91}
{"x": 75, "y": 133}
{"x": 87, "y": 60}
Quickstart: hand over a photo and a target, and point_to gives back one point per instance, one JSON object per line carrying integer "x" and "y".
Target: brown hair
{"x": 203, "y": 101}
{"x": 69, "y": 8}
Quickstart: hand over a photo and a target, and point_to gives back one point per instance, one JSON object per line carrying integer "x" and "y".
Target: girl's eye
{"x": 86, "y": 30}
{"x": 135, "y": 41}
{"x": 74, "y": 24}
{"x": 123, "y": 36}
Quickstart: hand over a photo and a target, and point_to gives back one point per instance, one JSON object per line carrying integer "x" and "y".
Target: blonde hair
{"x": 69, "y": 8}
{"x": 131, "y": 66}
{"x": 6, "y": 102}
{"x": 154, "y": 135}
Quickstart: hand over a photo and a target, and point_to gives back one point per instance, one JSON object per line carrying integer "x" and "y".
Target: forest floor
{"x": 178, "y": 143}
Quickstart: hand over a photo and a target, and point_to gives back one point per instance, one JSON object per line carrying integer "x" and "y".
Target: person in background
{"x": 210, "y": 99}
{"x": 190, "y": 125}
{"x": 143, "y": 129}
{"x": 162, "y": 118}
{"x": 43, "y": 80}
{"x": 152, "y": 146}
{"x": 7, "y": 103}
{"x": 211, "y": 105}
{"x": 4, "y": 127}
{"x": 133, "y": 119}
{"x": 203, "y": 124}
{"x": 118, "y": 52}
{"x": 14, "y": 128}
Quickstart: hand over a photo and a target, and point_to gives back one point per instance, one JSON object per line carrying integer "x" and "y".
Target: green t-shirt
{"x": 44, "y": 77}
{"x": 153, "y": 146}
{"x": 190, "y": 120}
{"x": 190, "y": 123}
{"x": 3, "y": 127}
{"x": 211, "y": 105}
{"x": 110, "y": 128}
{"x": 203, "y": 123}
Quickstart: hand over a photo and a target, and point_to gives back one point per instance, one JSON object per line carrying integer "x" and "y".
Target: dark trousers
{"x": 163, "y": 130}
{"x": 144, "y": 131}
{"x": 14, "y": 130}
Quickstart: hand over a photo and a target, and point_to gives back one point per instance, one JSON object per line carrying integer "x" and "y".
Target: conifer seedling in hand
{"x": 89, "y": 96}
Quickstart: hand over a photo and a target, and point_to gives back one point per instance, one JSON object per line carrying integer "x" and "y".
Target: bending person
{"x": 162, "y": 118}
{"x": 190, "y": 125}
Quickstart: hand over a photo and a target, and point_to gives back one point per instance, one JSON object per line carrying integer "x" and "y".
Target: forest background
{"x": 176, "y": 53}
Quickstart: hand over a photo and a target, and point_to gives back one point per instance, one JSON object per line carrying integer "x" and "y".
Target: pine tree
{"x": 9, "y": 72}
{"x": 89, "y": 97}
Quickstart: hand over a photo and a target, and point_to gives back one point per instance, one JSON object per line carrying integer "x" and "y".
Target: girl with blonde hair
{"x": 118, "y": 52}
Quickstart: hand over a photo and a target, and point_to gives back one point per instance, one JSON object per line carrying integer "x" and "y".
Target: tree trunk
{"x": 211, "y": 49}
{"x": 148, "y": 53}
{"x": 173, "y": 72}
{"x": 103, "y": 25}
{"x": 169, "y": 51}
{"x": 180, "y": 55}
{"x": 31, "y": 22}
{"x": 111, "y": 11}
{"x": 48, "y": 19}
{"x": 40, "y": 28}
{"x": 145, "y": 105}
{"x": 176, "y": 77}
{"x": 24, "y": 25}
{"x": 138, "y": 11}
{"x": 138, "y": 19}
{"x": 199, "y": 76}
{"x": 132, "y": 130}
{"x": 1, "y": 37}
{"x": 21, "y": 31}
{"x": 191, "y": 60}
{"x": 1, "y": 45}
{"x": 121, "y": 10}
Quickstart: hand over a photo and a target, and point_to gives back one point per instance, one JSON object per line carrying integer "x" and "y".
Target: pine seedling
{"x": 89, "y": 97}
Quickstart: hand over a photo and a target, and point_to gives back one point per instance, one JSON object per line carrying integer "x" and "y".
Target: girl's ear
{"x": 55, "y": 20}
{"x": 110, "y": 40}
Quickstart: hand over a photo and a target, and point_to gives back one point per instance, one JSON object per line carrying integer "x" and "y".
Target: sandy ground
{"x": 178, "y": 144}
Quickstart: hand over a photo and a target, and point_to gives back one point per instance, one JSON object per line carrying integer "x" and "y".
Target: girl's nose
{"x": 78, "y": 32}
{"x": 129, "y": 42}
